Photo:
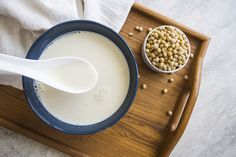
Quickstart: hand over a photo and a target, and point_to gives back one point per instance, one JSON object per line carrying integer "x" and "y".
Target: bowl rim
{"x": 148, "y": 62}
{"x": 54, "y": 122}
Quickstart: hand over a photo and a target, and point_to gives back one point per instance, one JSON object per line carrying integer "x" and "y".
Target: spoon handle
{"x": 16, "y": 65}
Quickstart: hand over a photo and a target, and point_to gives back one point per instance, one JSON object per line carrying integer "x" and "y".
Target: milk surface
{"x": 109, "y": 93}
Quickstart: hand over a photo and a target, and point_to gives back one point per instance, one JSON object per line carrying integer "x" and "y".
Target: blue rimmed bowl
{"x": 38, "y": 47}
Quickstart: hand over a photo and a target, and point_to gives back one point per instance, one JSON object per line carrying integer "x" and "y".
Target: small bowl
{"x": 38, "y": 47}
{"x": 148, "y": 62}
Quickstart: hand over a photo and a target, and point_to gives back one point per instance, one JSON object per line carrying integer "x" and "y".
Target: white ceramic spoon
{"x": 69, "y": 74}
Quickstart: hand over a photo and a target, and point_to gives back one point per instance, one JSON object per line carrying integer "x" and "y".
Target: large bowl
{"x": 38, "y": 47}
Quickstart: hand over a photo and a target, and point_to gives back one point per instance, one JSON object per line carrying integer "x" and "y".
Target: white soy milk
{"x": 111, "y": 89}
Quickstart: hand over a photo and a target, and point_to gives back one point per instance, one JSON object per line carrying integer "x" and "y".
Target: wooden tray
{"x": 146, "y": 130}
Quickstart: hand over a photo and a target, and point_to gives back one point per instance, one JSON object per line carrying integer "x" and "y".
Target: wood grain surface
{"x": 146, "y": 130}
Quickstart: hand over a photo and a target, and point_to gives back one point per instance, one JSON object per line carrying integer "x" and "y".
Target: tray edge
{"x": 163, "y": 18}
{"x": 173, "y": 137}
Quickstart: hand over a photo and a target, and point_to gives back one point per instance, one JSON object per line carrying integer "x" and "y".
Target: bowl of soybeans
{"x": 166, "y": 49}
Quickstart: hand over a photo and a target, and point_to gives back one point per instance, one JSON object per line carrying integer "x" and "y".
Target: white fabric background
{"x": 22, "y": 21}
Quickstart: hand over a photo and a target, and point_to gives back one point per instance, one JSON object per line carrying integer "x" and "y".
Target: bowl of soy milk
{"x": 108, "y": 101}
